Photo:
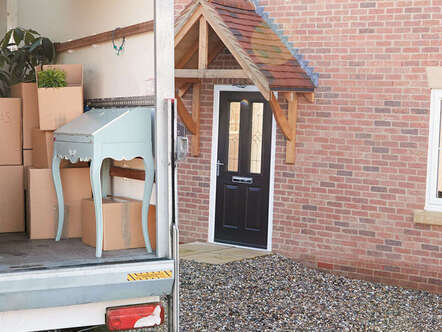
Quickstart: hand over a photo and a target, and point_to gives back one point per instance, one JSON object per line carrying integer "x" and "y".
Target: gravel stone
{"x": 274, "y": 293}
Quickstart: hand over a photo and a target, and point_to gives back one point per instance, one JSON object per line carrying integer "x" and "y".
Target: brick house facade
{"x": 347, "y": 203}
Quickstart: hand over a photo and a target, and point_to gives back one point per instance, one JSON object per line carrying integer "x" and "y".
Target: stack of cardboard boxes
{"x": 11, "y": 168}
{"x": 56, "y": 107}
{"x": 25, "y": 170}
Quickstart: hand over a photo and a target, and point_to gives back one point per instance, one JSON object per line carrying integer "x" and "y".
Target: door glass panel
{"x": 234, "y": 122}
{"x": 256, "y": 141}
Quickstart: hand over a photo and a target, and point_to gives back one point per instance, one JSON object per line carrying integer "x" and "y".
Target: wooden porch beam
{"x": 203, "y": 51}
{"x": 187, "y": 26}
{"x": 185, "y": 116}
{"x": 210, "y": 73}
{"x": 290, "y": 153}
{"x": 281, "y": 120}
{"x": 195, "y": 147}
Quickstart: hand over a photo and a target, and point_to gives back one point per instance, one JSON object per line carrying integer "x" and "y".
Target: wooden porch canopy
{"x": 206, "y": 27}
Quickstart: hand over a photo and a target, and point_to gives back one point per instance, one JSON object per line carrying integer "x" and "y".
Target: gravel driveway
{"x": 274, "y": 293}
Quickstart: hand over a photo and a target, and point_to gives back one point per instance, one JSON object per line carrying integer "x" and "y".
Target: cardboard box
{"x": 121, "y": 223}
{"x": 43, "y": 151}
{"x": 43, "y": 148}
{"x": 42, "y": 202}
{"x": 58, "y": 106}
{"x": 27, "y": 92}
{"x": 10, "y": 132}
{"x": 27, "y": 162}
{"x": 128, "y": 187}
{"x": 12, "y": 209}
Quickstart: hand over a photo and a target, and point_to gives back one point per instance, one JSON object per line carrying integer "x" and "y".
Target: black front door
{"x": 243, "y": 172}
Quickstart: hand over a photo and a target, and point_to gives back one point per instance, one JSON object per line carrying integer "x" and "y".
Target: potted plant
{"x": 21, "y": 50}
{"x": 60, "y": 94}
{"x": 52, "y": 78}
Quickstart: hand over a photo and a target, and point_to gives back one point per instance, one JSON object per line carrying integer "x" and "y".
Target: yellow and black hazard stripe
{"x": 166, "y": 274}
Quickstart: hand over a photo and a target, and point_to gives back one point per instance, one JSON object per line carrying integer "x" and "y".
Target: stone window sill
{"x": 427, "y": 217}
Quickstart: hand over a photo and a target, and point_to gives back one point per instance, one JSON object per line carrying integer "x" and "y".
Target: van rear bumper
{"x": 72, "y": 286}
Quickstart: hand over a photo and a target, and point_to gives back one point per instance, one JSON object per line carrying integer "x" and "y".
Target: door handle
{"x": 218, "y": 164}
{"x": 242, "y": 179}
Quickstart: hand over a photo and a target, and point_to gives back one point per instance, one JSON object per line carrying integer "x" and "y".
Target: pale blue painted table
{"x": 98, "y": 136}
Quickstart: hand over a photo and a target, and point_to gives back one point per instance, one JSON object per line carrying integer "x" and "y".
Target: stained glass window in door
{"x": 234, "y": 122}
{"x": 256, "y": 139}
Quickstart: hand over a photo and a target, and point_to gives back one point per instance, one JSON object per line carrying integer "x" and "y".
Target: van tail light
{"x": 133, "y": 317}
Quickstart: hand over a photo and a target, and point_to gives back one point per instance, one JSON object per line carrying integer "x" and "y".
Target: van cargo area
{"x": 18, "y": 253}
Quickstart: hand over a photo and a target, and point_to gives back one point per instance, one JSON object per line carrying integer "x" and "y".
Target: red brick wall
{"x": 347, "y": 204}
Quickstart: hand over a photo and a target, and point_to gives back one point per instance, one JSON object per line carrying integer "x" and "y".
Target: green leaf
{"x": 48, "y": 49}
{"x": 19, "y": 35}
{"x": 33, "y": 32}
{"x": 52, "y": 78}
{"x": 37, "y": 42}
{"x": 29, "y": 38}
{"x": 31, "y": 51}
{"x": 6, "y": 39}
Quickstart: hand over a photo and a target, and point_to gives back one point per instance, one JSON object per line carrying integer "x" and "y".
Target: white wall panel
{"x": 106, "y": 74}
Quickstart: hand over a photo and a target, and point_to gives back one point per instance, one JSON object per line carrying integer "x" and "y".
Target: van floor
{"x": 18, "y": 253}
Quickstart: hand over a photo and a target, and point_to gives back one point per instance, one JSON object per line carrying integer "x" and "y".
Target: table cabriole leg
{"x": 105, "y": 178}
{"x": 148, "y": 184}
{"x": 95, "y": 175}
{"x": 56, "y": 161}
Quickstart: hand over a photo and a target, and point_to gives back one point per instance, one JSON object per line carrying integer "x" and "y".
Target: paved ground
{"x": 211, "y": 253}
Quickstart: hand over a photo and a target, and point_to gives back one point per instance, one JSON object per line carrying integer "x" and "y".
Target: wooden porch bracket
{"x": 196, "y": 92}
{"x": 280, "y": 118}
{"x": 182, "y": 91}
{"x": 287, "y": 125}
{"x": 290, "y": 152}
{"x": 191, "y": 121}
{"x": 185, "y": 116}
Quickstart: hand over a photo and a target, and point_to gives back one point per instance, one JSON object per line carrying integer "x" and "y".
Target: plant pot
{"x": 58, "y": 106}
{"x": 27, "y": 92}
{"x": 10, "y": 131}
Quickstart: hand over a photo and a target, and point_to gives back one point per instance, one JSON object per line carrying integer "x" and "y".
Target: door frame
{"x": 214, "y": 154}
